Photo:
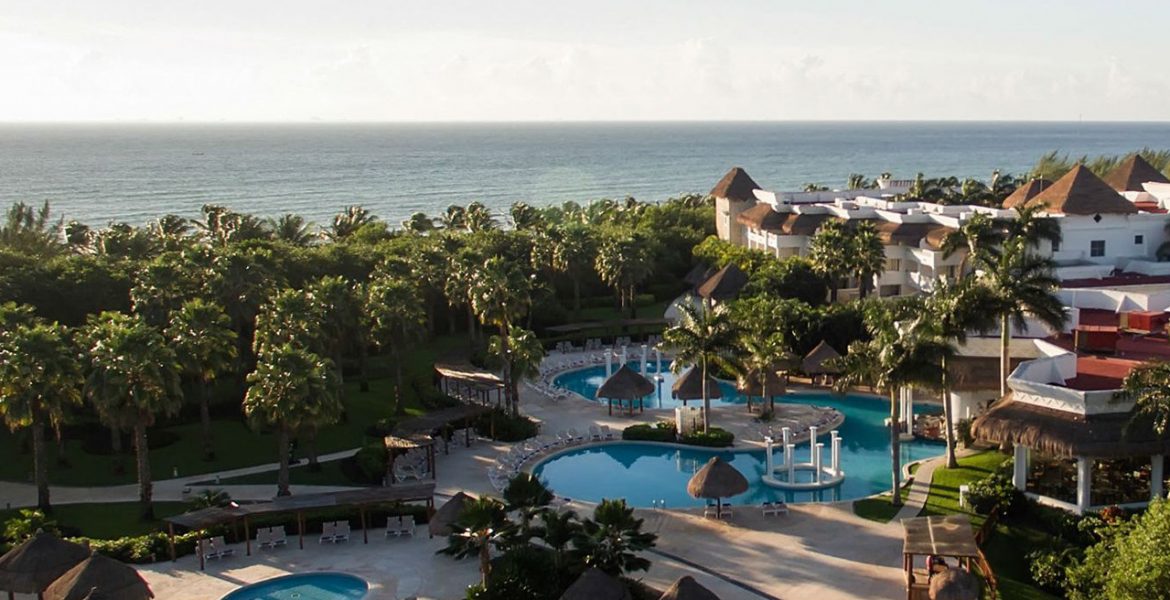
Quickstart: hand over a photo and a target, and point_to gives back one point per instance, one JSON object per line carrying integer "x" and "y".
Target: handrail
{"x": 988, "y": 576}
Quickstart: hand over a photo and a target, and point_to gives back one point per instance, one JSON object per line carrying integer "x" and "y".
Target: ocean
{"x": 134, "y": 173}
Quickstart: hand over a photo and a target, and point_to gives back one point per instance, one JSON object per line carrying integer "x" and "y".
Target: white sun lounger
{"x": 594, "y": 433}
{"x": 263, "y": 537}
{"x": 220, "y": 547}
{"x": 606, "y": 433}
{"x": 774, "y": 508}
{"x": 207, "y": 550}
{"x": 277, "y": 537}
{"x": 341, "y": 531}
{"x": 328, "y": 530}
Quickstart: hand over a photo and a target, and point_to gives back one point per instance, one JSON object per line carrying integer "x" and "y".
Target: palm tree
{"x": 1148, "y": 386}
{"x": 419, "y": 223}
{"x": 339, "y": 309}
{"x": 482, "y": 525}
{"x": 32, "y": 232}
{"x": 39, "y": 379}
{"x": 291, "y": 388}
{"x": 289, "y": 317}
{"x": 524, "y": 216}
{"x": 828, "y": 250}
{"x": 454, "y": 218}
{"x": 500, "y": 295}
{"x": 867, "y": 255}
{"x": 292, "y": 229}
{"x": 979, "y": 234}
{"x": 763, "y": 356}
{"x": 171, "y": 231}
{"x": 526, "y": 495}
{"x": 478, "y": 217}
{"x": 133, "y": 377}
{"x": 395, "y": 320}
{"x": 202, "y": 337}
{"x": 523, "y": 352}
{"x": 900, "y": 354}
{"x": 459, "y": 286}
{"x": 624, "y": 261}
{"x": 558, "y": 529}
{"x": 704, "y": 336}
{"x": 612, "y": 539}
{"x": 573, "y": 253}
{"x": 348, "y": 221}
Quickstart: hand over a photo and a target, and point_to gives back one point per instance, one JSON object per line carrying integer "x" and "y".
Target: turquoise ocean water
{"x": 134, "y": 173}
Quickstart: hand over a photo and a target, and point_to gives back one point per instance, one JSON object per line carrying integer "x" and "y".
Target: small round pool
{"x": 586, "y": 381}
{"x": 304, "y": 586}
{"x": 644, "y": 474}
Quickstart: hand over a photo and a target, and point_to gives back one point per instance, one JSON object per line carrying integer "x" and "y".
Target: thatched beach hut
{"x": 815, "y": 363}
{"x": 37, "y": 562}
{"x": 717, "y": 480}
{"x": 101, "y": 574}
{"x": 689, "y": 386}
{"x": 594, "y": 584}
{"x": 440, "y": 522}
{"x": 625, "y": 384}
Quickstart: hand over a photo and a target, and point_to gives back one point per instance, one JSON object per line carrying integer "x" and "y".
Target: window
{"x": 1138, "y": 240}
{"x": 1056, "y": 246}
{"x": 893, "y": 264}
{"x": 1097, "y": 248}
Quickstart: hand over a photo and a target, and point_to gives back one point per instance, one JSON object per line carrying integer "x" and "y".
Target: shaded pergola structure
{"x": 397, "y": 446}
{"x": 689, "y": 386}
{"x": 360, "y": 500}
{"x": 815, "y": 363}
{"x": 949, "y": 536}
{"x": 37, "y": 562}
{"x": 766, "y": 385}
{"x": 717, "y": 480}
{"x": 469, "y": 383}
{"x": 624, "y": 385}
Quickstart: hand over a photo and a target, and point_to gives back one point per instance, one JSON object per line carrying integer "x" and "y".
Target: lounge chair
{"x": 709, "y": 511}
{"x": 576, "y": 436}
{"x": 342, "y": 531}
{"x": 774, "y": 508}
{"x": 594, "y": 433}
{"x": 409, "y": 526}
{"x": 220, "y": 547}
{"x": 606, "y": 433}
{"x": 263, "y": 537}
{"x": 207, "y": 550}
{"x": 277, "y": 537}
{"x": 328, "y": 530}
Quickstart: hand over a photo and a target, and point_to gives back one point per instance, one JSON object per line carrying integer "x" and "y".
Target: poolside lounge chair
{"x": 594, "y": 434}
{"x": 328, "y": 530}
{"x": 341, "y": 532}
{"x": 277, "y": 537}
{"x": 774, "y": 508}
{"x": 263, "y": 537}
{"x": 207, "y": 550}
{"x": 220, "y": 547}
{"x": 576, "y": 436}
{"x": 606, "y": 433}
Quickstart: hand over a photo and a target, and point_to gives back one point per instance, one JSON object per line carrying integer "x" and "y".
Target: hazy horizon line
{"x": 561, "y": 121}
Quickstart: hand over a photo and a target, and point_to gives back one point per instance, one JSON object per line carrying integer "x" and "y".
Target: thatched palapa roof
{"x": 594, "y": 584}
{"x": 762, "y": 217}
{"x": 725, "y": 284}
{"x": 814, "y": 361}
{"x": 736, "y": 185}
{"x": 686, "y": 588}
{"x": 1131, "y": 173}
{"x": 37, "y": 562}
{"x": 717, "y": 479}
{"x": 689, "y": 386}
{"x": 625, "y": 384}
{"x": 1026, "y": 192}
{"x": 1069, "y": 434}
{"x": 1080, "y": 192}
{"x": 440, "y": 522}
{"x": 111, "y": 578}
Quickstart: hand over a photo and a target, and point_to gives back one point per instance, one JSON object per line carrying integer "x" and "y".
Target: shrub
{"x": 662, "y": 431}
{"x": 371, "y": 462}
{"x": 1048, "y": 568}
{"x": 995, "y": 492}
{"x": 714, "y": 437}
{"x": 143, "y": 548}
{"x": 507, "y": 427}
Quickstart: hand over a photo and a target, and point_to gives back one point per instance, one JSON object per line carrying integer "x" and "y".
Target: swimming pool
{"x": 647, "y": 473}
{"x": 586, "y": 381}
{"x": 304, "y": 586}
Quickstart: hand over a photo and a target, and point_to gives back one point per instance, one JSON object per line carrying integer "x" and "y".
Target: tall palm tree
{"x": 133, "y": 378}
{"x": 612, "y": 538}
{"x": 292, "y": 229}
{"x": 419, "y": 223}
{"x": 348, "y": 221}
{"x": 764, "y": 355}
{"x": 523, "y": 352}
{"x": 478, "y": 217}
{"x": 462, "y": 266}
{"x": 482, "y": 525}
{"x": 704, "y": 336}
{"x": 900, "y": 354}
{"x": 526, "y": 495}
{"x": 291, "y": 388}
{"x": 290, "y": 317}
{"x": 829, "y": 252}
{"x": 978, "y": 235}
{"x": 501, "y": 295}
{"x": 454, "y": 218}
{"x": 573, "y": 253}
{"x": 558, "y": 529}
{"x": 39, "y": 379}
{"x": 867, "y": 255}
{"x": 339, "y": 309}
{"x": 171, "y": 231}
{"x": 201, "y": 334}
{"x": 395, "y": 320}
{"x": 524, "y": 216}
{"x": 623, "y": 262}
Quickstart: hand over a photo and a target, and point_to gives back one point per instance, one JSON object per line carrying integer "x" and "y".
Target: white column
{"x": 812, "y": 442}
{"x": 1020, "y": 467}
{"x": 768, "y": 456}
{"x": 818, "y": 451}
{"x": 1084, "y": 484}
{"x": 786, "y": 439}
{"x": 608, "y": 363}
{"x": 908, "y": 410}
{"x": 645, "y": 349}
{"x": 1156, "y": 476}
{"x": 836, "y": 453}
{"x": 789, "y": 450}
{"x": 623, "y": 357}
{"x": 658, "y": 361}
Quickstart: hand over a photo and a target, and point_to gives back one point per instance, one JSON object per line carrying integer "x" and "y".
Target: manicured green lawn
{"x": 611, "y": 313}
{"x": 878, "y": 509}
{"x": 109, "y": 520}
{"x": 236, "y": 443}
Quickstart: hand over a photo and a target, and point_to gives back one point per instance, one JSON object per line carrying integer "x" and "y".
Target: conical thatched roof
{"x": 686, "y": 588}
{"x": 725, "y": 284}
{"x": 954, "y": 584}
{"x": 750, "y": 384}
{"x": 1026, "y": 192}
{"x": 717, "y": 479}
{"x": 111, "y": 578}
{"x": 736, "y": 185}
{"x": 1080, "y": 192}
{"x": 593, "y": 584}
{"x": 814, "y": 362}
{"x": 448, "y": 513}
{"x": 689, "y": 386}
{"x": 763, "y": 217}
{"x": 1132, "y": 173}
{"x": 625, "y": 384}
{"x": 30, "y": 567}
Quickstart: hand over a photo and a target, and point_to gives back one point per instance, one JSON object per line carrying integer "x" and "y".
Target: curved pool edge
{"x": 233, "y": 595}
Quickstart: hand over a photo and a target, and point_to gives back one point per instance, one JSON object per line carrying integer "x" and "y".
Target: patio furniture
{"x": 220, "y": 547}
{"x": 328, "y": 530}
{"x": 606, "y": 432}
{"x": 341, "y": 532}
{"x": 594, "y": 433}
{"x": 774, "y": 508}
{"x": 277, "y": 536}
{"x": 263, "y": 537}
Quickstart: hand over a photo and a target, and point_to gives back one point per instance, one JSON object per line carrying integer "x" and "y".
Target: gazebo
{"x": 768, "y": 386}
{"x": 689, "y": 386}
{"x": 102, "y": 575}
{"x": 717, "y": 480}
{"x": 625, "y": 384}
{"x": 40, "y": 560}
{"x": 686, "y": 588}
{"x": 594, "y": 584}
{"x": 440, "y": 523}
{"x": 814, "y": 365}
{"x": 725, "y": 284}
{"x": 397, "y": 446}
{"x": 944, "y": 537}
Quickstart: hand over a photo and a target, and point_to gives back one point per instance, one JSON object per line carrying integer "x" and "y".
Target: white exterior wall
{"x": 1117, "y": 231}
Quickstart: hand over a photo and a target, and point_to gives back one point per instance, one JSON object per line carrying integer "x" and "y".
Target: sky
{"x": 569, "y": 60}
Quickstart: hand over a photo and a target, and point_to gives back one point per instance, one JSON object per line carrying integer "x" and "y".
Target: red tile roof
{"x": 1100, "y": 373}
{"x": 1116, "y": 280}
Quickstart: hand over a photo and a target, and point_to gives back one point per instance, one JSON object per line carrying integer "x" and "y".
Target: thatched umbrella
{"x": 954, "y": 584}
{"x": 625, "y": 384}
{"x": 717, "y": 479}
{"x": 814, "y": 362}
{"x": 98, "y": 573}
{"x": 686, "y": 588}
{"x": 689, "y": 386}
{"x": 440, "y": 522}
{"x": 593, "y": 584}
{"x": 30, "y": 567}
{"x": 751, "y": 384}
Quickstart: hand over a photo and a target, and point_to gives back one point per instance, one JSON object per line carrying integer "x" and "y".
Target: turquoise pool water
{"x": 586, "y": 381}
{"x": 306, "y": 586}
{"x": 645, "y": 473}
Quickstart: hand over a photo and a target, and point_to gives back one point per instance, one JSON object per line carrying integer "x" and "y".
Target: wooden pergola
{"x": 469, "y": 383}
{"x": 397, "y": 446}
{"x": 949, "y": 536}
{"x": 362, "y": 500}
